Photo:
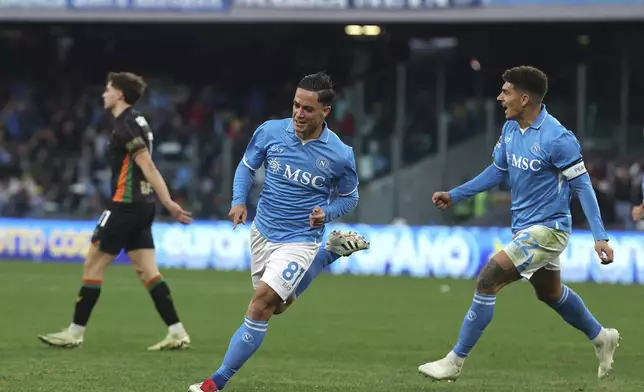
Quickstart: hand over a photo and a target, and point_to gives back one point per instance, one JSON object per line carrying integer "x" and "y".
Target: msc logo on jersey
{"x": 524, "y": 163}
{"x": 303, "y": 177}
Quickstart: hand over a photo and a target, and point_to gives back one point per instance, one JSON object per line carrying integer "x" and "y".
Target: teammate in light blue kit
{"x": 306, "y": 165}
{"x": 544, "y": 163}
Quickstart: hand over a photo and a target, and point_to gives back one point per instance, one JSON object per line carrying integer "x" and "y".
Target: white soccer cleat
{"x": 63, "y": 339}
{"x": 172, "y": 342}
{"x": 344, "y": 243}
{"x": 195, "y": 388}
{"x": 605, "y": 345}
{"x": 442, "y": 370}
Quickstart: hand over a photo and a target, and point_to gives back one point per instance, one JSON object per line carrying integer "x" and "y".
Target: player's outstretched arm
{"x": 242, "y": 183}
{"x": 245, "y": 173}
{"x": 584, "y": 189}
{"x": 492, "y": 176}
{"x": 583, "y": 186}
{"x": 487, "y": 179}
{"x": 152, "y": 175}
{"x": 566, "y": 156}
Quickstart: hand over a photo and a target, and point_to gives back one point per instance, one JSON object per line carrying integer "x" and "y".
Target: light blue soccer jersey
{"x": 540, "y": 162}
{"x": 299, "y": 176}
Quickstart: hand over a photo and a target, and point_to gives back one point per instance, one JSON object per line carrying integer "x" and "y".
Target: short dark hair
{"x": 528, "y": 79}
{"x": 321, "y": 84}
{"x": 131, "y": 85}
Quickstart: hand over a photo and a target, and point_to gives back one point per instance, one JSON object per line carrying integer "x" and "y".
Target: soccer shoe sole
{"x": 48, "y": 342}
{"x": 340, "y": 243}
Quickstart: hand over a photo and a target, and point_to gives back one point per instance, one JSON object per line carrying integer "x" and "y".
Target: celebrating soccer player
{"x": 127, "y": 224}
{"x": 306, "y": 165}
{"x": 543, "y": 162}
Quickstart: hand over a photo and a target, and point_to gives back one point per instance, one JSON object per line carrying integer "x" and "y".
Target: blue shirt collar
{"x": 540, "y": 118}
{"x": 324, "y": 136}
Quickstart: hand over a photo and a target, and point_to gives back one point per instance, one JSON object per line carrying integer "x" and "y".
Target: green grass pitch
{"x": 347, "y": 333}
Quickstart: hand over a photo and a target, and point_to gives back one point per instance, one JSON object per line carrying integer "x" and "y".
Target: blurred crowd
{"x": 54, "y": 145}
{"x": 618, "y": 185}
{"x": 54, "y": 132}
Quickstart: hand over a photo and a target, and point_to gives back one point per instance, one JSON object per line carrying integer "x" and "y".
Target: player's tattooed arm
{"x": 494, "y": 276}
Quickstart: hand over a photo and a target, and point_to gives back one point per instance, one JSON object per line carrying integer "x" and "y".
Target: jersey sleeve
{"x": 131, "y": 134}
{"x": 566, "y": 156}
{"x": 498, "y": 154}
{"x": 348, "y": 181}
{"x": 256, "y": 149}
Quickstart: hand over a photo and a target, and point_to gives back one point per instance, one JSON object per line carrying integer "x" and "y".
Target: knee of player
{"x": 548, "y": 297}
{"x": 144, "y": 265}
{"x": 94, "y": 268}
{"x": 147, "y": 274}
{"x": 496, "y": 274}
{"x": 281, "y": 308}
{"x": 263, "y": 306}
{"x": 486, "y": 286}
{"x": 261, "y": 310}
{"x": 140, "y": 274}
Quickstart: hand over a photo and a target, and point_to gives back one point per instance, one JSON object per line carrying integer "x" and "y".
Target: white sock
{"x": 177, "y": 329}
{"x": 76, "y": 330}
{"x": 458, "y": 361}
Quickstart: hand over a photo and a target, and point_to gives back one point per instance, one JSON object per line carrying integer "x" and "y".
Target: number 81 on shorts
{"x": 293, "y": 270}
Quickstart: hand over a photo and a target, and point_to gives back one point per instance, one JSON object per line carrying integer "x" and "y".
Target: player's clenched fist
{"x": 238, "y": 214}
{"x": 442, "y": 200}
{"x": 604, "y": 251}
{"x": 316, "y": 219}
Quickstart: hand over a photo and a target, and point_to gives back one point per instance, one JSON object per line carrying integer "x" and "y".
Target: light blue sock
{"x": 242, "y": 346}
{"x": 475, "y": 322}
{"x": 321, "y": 260}
{"x": 571, "y": 307}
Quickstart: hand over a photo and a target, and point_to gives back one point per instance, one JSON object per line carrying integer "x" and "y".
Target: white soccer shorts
{"x": 537, "y": 247}
{"x": 281, "y": 266}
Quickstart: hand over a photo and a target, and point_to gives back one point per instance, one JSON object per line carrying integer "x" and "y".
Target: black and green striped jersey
{"x": 131, "y": 136}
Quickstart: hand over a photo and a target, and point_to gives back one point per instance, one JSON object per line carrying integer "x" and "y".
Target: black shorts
{"x": 125, "y": 226}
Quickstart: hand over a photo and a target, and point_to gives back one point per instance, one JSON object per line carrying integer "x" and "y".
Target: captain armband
{"x": 575, "y": 170}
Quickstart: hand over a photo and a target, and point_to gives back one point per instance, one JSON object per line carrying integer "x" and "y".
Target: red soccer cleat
{"x": 207, "y": 386}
